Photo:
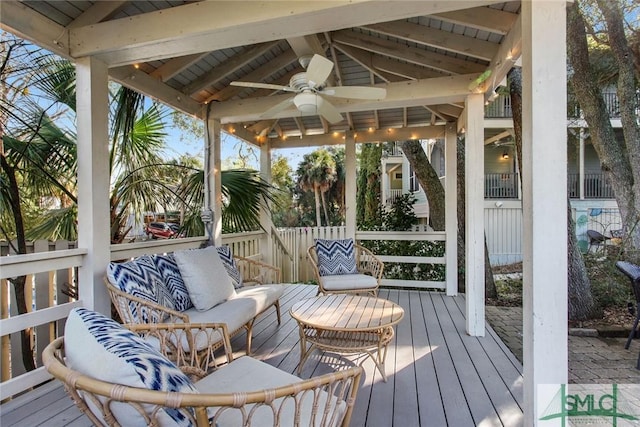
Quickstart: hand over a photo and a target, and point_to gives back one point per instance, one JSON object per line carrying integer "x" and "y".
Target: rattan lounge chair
{"x": 266, "y": 396}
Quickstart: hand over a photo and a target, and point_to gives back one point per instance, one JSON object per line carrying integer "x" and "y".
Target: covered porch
{"x": 437, "y": 374}
{"x": 438, "y": 62}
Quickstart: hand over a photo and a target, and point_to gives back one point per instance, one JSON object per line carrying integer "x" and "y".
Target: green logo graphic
{"x": 593, "y": 404}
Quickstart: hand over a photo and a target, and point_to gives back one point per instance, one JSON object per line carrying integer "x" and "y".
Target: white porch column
{"x": 93, "y": 181}
{"x": 474, "y": 207}
{"x": 451, "y": 208}
{"x": 266, "y": 244}
{"x": 212, "y": 182}
{"x": 350, "y": 184}
{"x": 544, "y": 171}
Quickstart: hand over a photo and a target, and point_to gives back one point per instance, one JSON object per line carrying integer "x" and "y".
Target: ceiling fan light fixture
{"x": 308, "y": 103}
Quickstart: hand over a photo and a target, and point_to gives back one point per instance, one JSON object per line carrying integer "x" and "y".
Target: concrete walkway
{"x": 592, "y": 360}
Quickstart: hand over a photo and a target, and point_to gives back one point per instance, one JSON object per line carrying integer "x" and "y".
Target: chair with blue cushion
{"x": 632, "y": 271}
{"x": 343, "y": 266}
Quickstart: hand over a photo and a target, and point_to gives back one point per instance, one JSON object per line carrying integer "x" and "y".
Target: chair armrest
{"x": 367, "y": 262}
{"x": 127, "y": 305}
{"x": 257, "y": 272}
{"x": 191, "y": 346}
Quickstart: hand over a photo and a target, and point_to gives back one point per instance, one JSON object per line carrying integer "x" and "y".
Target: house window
{"x": 397, "y": 175}
{"x": 414, "y": 186}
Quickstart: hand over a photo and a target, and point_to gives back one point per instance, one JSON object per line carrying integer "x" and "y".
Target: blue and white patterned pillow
{"x": 140, "y": 278}
{"x": 336, "y": 257}
{"x": 101, "y": 348}
{"x": 230, "y": 265}
{"x": 166, "y": 265}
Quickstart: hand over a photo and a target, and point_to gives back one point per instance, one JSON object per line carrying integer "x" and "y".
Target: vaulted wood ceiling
{"x": 427, "y": 54}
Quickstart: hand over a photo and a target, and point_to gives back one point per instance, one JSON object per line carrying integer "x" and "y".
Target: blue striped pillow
{"x": 336, "y": 257}
{"x": 101, "y": 348}
{"x": 168, "y": 268}
{"x": 230, "y": 265}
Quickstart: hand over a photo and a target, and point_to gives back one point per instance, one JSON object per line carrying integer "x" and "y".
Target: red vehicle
{"x": 161, "y": 230}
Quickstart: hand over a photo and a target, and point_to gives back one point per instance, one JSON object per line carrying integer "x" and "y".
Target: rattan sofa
{"x": 367, "y": 281}
{"x": 240, "y": 392}
{"x": 261, "y": 291}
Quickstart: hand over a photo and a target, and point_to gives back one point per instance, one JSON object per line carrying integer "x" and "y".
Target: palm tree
{"x": 317, "y": 173}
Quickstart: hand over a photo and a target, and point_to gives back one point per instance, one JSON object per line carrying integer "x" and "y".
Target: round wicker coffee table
{"x": 346, "y": 324}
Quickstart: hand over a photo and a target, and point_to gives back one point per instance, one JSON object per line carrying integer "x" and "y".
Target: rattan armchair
{"x": 325, "y": 400}
{"x": 366, "y": 263}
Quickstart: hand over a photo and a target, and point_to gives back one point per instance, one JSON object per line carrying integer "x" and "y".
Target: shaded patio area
{"x": 438, "y": 375}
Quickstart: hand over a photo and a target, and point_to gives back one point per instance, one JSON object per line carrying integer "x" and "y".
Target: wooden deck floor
{"x": 438, "y": 376}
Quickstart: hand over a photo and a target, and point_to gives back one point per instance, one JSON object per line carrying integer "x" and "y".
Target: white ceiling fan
{"x": 310, "y": 91}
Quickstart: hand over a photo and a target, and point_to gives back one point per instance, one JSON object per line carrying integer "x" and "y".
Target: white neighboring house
{"x": 591, "y": 195}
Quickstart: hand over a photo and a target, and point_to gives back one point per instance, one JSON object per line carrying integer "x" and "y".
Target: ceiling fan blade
{"x": 262, "y": 86}
{"x": 355, "y": 92}
{"x": 329, "y": 112}
{"x": 278, "y": 107}
{"x": 318, "y": 70}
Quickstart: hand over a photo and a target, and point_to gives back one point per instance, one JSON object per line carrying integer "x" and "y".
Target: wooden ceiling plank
{"x": 440, "y": 90}
{"x": 437, "y": 61}
{"x": 222, "y": 24}
{"x": 175, "y": 66}
{"x": 230, "y": 66}
{"x": 100, "y": 11}
{"x": 435, "y": 38}
{"x": 300, "y": 125}
{"x": 481, "y": 18}
{"x": 365, "y": 59}
{"x": 257, "y": 75}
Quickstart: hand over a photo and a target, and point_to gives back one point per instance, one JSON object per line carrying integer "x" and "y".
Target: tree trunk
{"x": 316, "y": 193}
{"x": 324, "y": 207}
{"x": 434, "y": 191}
{"x": 579, "y": 292}
{"x": 580, "y": 296}
{"x": 429, "y": 180}
{"x": 26, "y": 336}
{"x": 614, "y": 155}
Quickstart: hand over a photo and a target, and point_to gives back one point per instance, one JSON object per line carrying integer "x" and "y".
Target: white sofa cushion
{"x": 336, "y": 257}
{"x": 101, "y": 348}
{"x": 247, "y": 374}
{"x": 348, "y": 282}
{"x": 205, "y": 276}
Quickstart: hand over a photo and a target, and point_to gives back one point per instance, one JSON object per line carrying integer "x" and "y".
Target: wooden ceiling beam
{"x": 438, "y": 39}
{"x": 481, "y": 18}
{"x": 306, "y": 45}
{"x": 440, "y": 90}
{"x": 175, "y": 66}
{"x": 279, "y": 62}
{"x": 98, "y": 12}
{"x": 380, "y": 135}
{"x": 425, "y": 58}
{"x": 215, "y": 25}
{"x": 228, "y": 67}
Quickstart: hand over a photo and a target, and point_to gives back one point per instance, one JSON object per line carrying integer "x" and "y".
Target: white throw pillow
{"x": 205, "y": 276}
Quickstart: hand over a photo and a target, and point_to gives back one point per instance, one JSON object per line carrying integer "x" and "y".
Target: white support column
{"x": 266, "y": 243}
{"x": 451, "y": 208}
{"x": 350, "y": 184}
{"x": 581, "y": 165}
{"x": 213, "y": 169}
{"x": 474, "y": 207}
{"x": 544, "y": 158}
{"x": 92, "y": 101}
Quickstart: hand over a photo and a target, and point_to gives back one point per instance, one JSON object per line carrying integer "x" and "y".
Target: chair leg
{"x": 249, "y": 328}
{"x": 277, "y": 304}
{"x": 633, "y": 328}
